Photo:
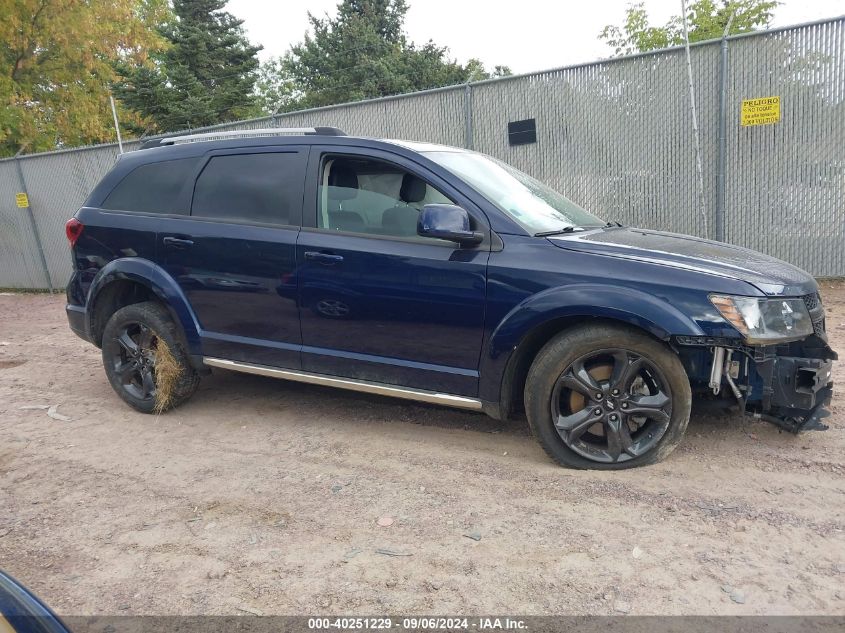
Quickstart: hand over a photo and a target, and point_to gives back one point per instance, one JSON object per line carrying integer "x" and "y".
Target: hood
{"x": 771, "y": 276}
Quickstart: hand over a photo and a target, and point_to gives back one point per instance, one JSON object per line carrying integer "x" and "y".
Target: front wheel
{"x": 607, "y": 397}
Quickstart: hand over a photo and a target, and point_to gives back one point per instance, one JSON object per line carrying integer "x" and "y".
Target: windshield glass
{"x": 528, "y": 201}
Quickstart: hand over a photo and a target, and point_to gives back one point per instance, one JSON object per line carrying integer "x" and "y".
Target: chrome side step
{"x": 434, "y": 397}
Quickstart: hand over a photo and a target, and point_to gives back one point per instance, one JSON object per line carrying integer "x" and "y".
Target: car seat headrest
{"x": 413, "y": 189}
{"x": 343, "y": 182}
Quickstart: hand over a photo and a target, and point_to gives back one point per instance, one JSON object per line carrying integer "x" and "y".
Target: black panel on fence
{"x": 522, "y": 132}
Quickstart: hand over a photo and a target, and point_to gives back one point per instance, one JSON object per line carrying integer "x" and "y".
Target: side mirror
{"x": 447, "y": 222}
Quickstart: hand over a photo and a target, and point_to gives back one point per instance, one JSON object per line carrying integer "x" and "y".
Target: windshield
{"x": 532, "y": 204}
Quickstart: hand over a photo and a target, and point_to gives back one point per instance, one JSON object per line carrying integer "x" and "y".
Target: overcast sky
{"x": 526, "y": 35}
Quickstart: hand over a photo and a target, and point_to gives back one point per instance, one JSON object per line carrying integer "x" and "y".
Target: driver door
{"x": 376, "y": 301}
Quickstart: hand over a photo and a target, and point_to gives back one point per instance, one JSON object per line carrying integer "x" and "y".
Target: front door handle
{"x": 177, "y": 242}
{"x": 324, "y": 258}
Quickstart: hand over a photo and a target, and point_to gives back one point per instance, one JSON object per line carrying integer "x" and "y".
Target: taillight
{"x": 73, "y": 229}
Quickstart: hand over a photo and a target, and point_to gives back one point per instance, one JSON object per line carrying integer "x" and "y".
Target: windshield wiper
{"x": 566, "y": 229}
{"x": 570, "y": 229}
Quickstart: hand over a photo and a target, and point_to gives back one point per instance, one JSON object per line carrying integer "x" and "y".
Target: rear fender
{"x": 163, "y": 286}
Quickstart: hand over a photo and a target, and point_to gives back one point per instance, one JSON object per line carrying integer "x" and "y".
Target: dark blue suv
{"x": 435, "y": 274}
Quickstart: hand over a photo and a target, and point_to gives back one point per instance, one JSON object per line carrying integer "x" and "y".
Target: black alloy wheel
{"x": 607, "y": 396}
{"x": 133, "y": 338}
{"x": 133, "y": 360}
{"x": 611, "y": 405}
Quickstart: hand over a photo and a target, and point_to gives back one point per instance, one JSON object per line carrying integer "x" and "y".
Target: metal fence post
{"x": 33, "y": 225}
{"x": 468, "y": 116}
{"x": 116, "y": 124}
{"x": 695, "y": 132}
{"x": 721, "y": 156}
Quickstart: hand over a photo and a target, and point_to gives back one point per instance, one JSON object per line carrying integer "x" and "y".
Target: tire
{"x": 634, "y": 390}
{"x": 132, "y": 372}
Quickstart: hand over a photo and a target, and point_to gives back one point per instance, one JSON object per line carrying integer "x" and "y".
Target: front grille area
{"x": 816, "y": 309}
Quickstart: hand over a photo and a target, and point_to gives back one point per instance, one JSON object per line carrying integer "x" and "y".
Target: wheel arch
{"x": 519, "y": 337}
{"x": 133, "y": 280}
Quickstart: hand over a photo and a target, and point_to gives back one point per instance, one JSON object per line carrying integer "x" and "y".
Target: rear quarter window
{"x": 153, "y": 188}
{"x": 263, "y": 188}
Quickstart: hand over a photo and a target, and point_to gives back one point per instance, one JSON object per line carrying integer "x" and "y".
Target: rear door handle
{"x": 324, "y": 258}
{"x": 177, "y": 242}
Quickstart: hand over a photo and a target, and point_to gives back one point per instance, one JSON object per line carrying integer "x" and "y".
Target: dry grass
{"x": 167, "y": 374}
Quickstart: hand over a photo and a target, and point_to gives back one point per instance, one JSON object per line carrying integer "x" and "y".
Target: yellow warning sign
{"x": 22, "y": 200}
{"x": 760, "y": 111}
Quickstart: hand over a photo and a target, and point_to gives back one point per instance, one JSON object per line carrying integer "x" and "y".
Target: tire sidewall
{"x": 567, "y": 347}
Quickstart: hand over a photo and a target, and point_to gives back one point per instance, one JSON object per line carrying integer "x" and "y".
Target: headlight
{"x": 765, "y": 321}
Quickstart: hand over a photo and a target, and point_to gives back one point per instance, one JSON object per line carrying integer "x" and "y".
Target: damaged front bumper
{"x": 794, "y": 391}
{"x": 789, "y": 385}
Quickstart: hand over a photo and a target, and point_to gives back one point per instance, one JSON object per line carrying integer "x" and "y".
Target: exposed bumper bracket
{"x": 812, "y": 422}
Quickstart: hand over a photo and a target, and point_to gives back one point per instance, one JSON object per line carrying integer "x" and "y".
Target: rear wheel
{"x": 145, "y": 359}
{"x": 607, "y": 397}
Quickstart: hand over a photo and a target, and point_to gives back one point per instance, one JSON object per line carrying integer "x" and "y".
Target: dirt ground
{"x": 263, "y": 496}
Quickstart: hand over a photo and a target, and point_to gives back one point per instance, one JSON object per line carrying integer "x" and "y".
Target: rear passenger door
{"x": 234, "y": 257}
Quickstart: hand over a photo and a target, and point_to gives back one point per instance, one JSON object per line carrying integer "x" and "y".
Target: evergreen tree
{"x": 207, "y": 75}
{"x": 361, "y": 53}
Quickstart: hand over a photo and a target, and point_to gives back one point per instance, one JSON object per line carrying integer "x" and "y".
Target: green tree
{"x": 205, "y": 76}
{"x": 706, "y": 20}
{"x": 56, "y": 65}
{"x": 275, "y": 89}
{"x": 361, "y": 53}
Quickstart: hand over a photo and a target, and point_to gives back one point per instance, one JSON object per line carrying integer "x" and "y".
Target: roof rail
{"x": 270, "y": 131}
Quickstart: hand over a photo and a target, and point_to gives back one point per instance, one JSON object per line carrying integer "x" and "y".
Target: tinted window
{"x": 263, "y": 188}
{"x": 152, "y": 188}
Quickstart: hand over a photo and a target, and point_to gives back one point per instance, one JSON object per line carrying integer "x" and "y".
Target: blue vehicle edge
{"x": 25, "y": 612}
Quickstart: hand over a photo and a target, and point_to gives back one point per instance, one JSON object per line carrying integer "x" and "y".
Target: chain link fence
{"x": 615, "y": 136}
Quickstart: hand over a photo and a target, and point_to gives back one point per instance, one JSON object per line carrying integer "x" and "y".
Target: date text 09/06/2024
{"x": 419, "y": 623}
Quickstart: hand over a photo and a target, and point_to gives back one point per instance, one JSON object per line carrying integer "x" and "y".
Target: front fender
{"x": 156, "y": 279}
{"x": 587, "y": 301}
